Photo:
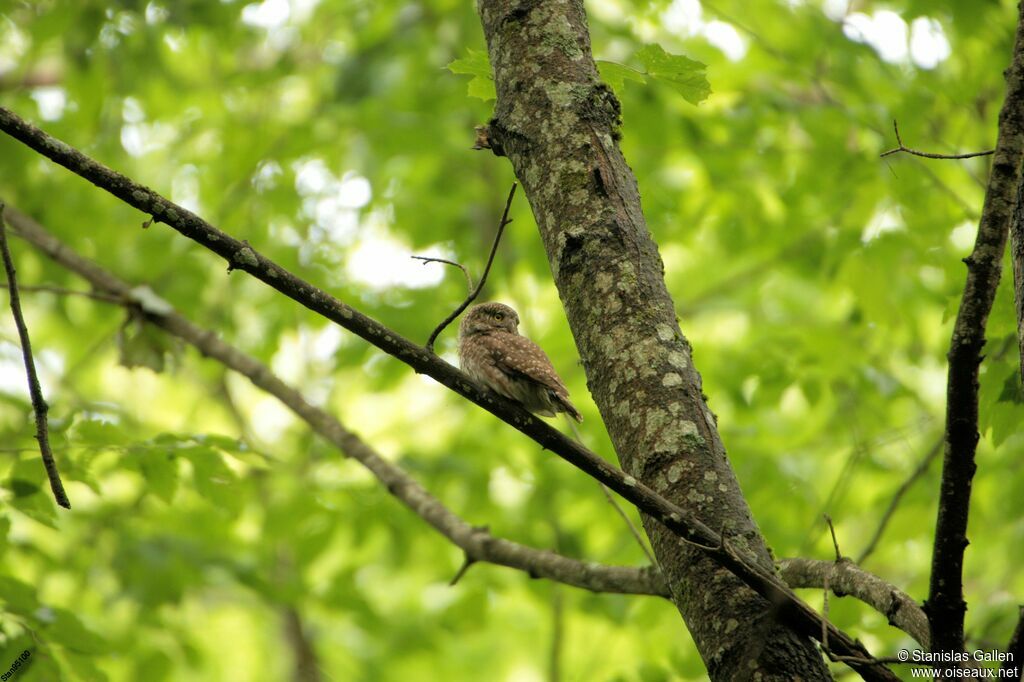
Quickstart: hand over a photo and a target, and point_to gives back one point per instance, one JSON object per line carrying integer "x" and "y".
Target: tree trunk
{"x": 557, "y": 123}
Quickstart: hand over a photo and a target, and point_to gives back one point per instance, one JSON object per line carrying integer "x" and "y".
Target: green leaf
{"x": 476, "y": 64}
{"x": 1013, "y": 391}
{"x": 616, "y": 75}
{"x": 160, "y": 469}
{"x": 31, "y": 491}
{"x": 142, "y": 345}
{"x": 214, "y": 480}
{"x": 686, "y": 76}
{"x": 97, "y": 432}
{"x": 1006, "y": 419}
{"x": 18, "y": 596}
{"x": 66, "y": 628}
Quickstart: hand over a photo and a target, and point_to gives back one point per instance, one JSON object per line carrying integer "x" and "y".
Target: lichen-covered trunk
{"x": 557, "y": 123}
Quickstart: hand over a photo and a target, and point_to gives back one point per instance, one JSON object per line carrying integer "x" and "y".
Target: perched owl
{"x": 492, "y": 351}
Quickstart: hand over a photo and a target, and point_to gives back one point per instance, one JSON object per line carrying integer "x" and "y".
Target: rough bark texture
{"x": 1017, "y": 258}
{"x": 845, "y": 578}
{"x": 945, "y": 605}
{"x": 557, "y": 123}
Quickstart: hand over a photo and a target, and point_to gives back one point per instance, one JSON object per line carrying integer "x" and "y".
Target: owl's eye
{"x": 499, "y": 316}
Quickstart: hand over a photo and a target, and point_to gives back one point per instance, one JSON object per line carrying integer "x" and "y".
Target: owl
{"x": 492, "y": 351}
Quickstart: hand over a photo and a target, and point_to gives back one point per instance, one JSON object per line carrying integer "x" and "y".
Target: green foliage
{"x": 816, "y": 282}
{"x": 686, "y": 76}
{"x": 477, "y": 65}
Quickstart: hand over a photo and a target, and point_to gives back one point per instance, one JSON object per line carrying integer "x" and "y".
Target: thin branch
{"x": 61, "y": 291}
{"x": 474, "y": 541}
{"x": 483, "y": 278}
{"x": 792, "y": 611}
{"x": 918, "y": 472}
{"x": 629, "y": 524}
{"x": 460, "y": 266}
{"x": 305, "y": 667}
{"x": 39, "y": 406}
{"x": 835, "y": 543}
{"x": 946, "y": 606}
{"x": 466, "y": 563}
{"x": 928, "y": 155}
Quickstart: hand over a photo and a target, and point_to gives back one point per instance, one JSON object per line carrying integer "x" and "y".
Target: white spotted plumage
{"x": 492, "y": 351}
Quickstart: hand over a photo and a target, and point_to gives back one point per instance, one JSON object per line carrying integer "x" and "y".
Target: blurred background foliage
{"x": 212, "y": 536}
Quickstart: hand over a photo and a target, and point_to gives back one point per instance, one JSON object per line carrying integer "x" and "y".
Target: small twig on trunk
{"x": 39, "y": 405}
{"x": 929, "y": 155}
{"x": 835, "y": 543}
{"x": 483, "y": 278}
{"x": 466, "y": 563}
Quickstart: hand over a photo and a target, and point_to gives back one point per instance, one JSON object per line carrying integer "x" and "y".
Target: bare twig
{"x": 460, "y": 266}
{"x": 39, "y": 405}
{"x": 946, "y": 606}
{"x": 61, "y": 291}
{"x": 835, "y": 543}
{"x": 918, "y": 472}
{"x": 681, "y": 522}
{"x": 629, "y": 524}
{"x": 483, "y": 278}
{"x": 305, "y": 665}
{"x": 928, "y": 155}
{"x": 466, "y": 563}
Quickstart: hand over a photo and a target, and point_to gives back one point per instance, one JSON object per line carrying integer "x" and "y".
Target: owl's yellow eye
{"x": 499, "y": 316}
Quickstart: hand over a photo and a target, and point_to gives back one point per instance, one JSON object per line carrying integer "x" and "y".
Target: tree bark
{"x": 558, "y": 125}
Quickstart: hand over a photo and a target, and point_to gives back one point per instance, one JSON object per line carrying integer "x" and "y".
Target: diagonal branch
{"x": 477, "y": 543}
{"x": 945, "y": 605}
{"x": 39, "y": 406}
{"x": 791, "y": 610}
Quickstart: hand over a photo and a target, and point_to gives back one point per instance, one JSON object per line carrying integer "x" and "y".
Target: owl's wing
{"x": 519, "y": 356}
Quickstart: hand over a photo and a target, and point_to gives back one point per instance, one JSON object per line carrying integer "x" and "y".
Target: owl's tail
{"x": 567, "y": 407}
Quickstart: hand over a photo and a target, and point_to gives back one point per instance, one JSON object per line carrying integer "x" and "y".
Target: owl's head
{"x": 487, "y": 317}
